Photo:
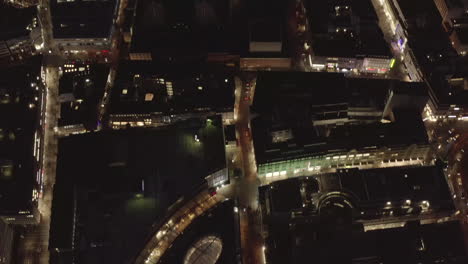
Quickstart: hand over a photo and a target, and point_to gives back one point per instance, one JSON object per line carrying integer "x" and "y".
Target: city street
{"x": 449, "y": 139}
{"x": 247, "y": 188}
{"x": 405, "y": 65}
{"x": 298, "y": 28}
{"x": 116, "y": 42}
{"x": 34, "y": 245}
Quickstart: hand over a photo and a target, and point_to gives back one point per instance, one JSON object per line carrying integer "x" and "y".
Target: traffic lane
{"x": 248, "y": 185}
{"x": 251, "y": 241}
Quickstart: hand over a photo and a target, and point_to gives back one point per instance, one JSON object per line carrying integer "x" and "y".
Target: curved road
{"x": 175, "y": 225}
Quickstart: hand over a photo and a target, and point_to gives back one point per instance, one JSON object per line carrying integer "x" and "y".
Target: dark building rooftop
{"x": 123, "y": 181}
{"x": 141, "y": 89}
{"x": 294, "y": 101}
{"x": 205, "y": 27}
{"x": 80, "y": 92}
{"x": 442, "y": 243}
{"x": 198, "y": 28}
{"x": 345, "y": 29}
{"x": 310, "y": 141}
{"x": 230, "y": 133}
{"x": 368, "y": 190}
{"x": 13, "y": 21}
{"x": 82, "y": 19}
{"x": 276, "y": 91}
{"x": 17, "y": 127}
{"x": 320, "y": 217}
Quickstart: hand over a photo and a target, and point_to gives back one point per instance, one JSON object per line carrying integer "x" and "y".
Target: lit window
{"x": 149, "y": 97}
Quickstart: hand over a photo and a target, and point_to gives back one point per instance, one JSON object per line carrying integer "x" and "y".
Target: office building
{"x": 201, "y": 31}
{"x": 113, "y": 185}
{"x": 390, "y": 215}
{"x": 22, "y": 3}
{"x": 83, "y": 27}
{"x": 81, "y": 87}
{"x": 311, "y": 122}
{"x": 268, "y": 40}
{"x": 346, "y": 38}
{"x": 145, "y": 97}
{"x": 21, "y": 99}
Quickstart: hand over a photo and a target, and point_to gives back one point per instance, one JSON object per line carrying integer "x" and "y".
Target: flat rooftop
{"x": 395, "y": 184}
{"x": 82, "y": 19}
{"x": 345, "y": 29}
{"x": 84, "y": 89}
{"x": 299, "y": 232}
{"x": 141, "y": 89}
{"x": 198, "y": 28}
{"x": 370, "y": 189}
{"x": 125, "y": 180}
{"x": 292, "y": 101}
{"x": 17, "y": 126}
{"x": 13, "y": 21}
{"x": 308, "y": 141}
{"x": 278, "y": 91}
{"x": 398, "y": 245}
